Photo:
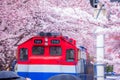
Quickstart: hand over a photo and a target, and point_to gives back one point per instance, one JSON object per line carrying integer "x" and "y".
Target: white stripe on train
{"x": 46, "y": 68}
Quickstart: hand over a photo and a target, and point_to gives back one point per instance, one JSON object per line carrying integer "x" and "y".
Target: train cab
{"x": 49, "y": 54}
{"x": 46, "y": 55}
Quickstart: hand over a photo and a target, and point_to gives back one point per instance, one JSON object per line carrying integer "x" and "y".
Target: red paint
{"x": 65, "y": 44}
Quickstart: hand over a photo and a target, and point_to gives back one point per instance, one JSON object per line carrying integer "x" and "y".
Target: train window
{"x": 37, "y": 41}
{"x": 23, "y": 54}
{"x": 55, "y": 41}
{"x": 38, "y": 50}
{"x": 55, "y": 51}
{"x": 70, "y": 56}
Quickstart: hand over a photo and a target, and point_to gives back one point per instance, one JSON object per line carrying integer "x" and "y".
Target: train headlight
{"x": 46, "y": 41}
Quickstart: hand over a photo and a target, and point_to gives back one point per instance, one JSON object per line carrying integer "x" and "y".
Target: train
{"x": 48, "y": 54}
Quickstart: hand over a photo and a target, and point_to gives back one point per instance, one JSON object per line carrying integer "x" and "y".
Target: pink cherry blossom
{"x": 22, "y": 19}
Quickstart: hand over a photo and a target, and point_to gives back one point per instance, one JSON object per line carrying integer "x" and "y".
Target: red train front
{"x": 49, "y": 54}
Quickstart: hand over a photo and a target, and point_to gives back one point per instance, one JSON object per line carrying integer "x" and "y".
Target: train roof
{"x": 51, "y": 35}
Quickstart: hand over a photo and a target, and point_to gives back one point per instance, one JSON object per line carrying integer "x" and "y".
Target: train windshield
{"x": 55, "y": 50}
{"x": 38, "y": 50}
{"x": 23, "y": 54}
{"x": 70, "y": 55}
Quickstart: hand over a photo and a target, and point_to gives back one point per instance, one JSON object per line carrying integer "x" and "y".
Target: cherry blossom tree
{"x": 22, "y": 19}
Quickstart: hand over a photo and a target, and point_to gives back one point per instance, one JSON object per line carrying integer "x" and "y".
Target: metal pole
{"x": 100, "y": 55}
